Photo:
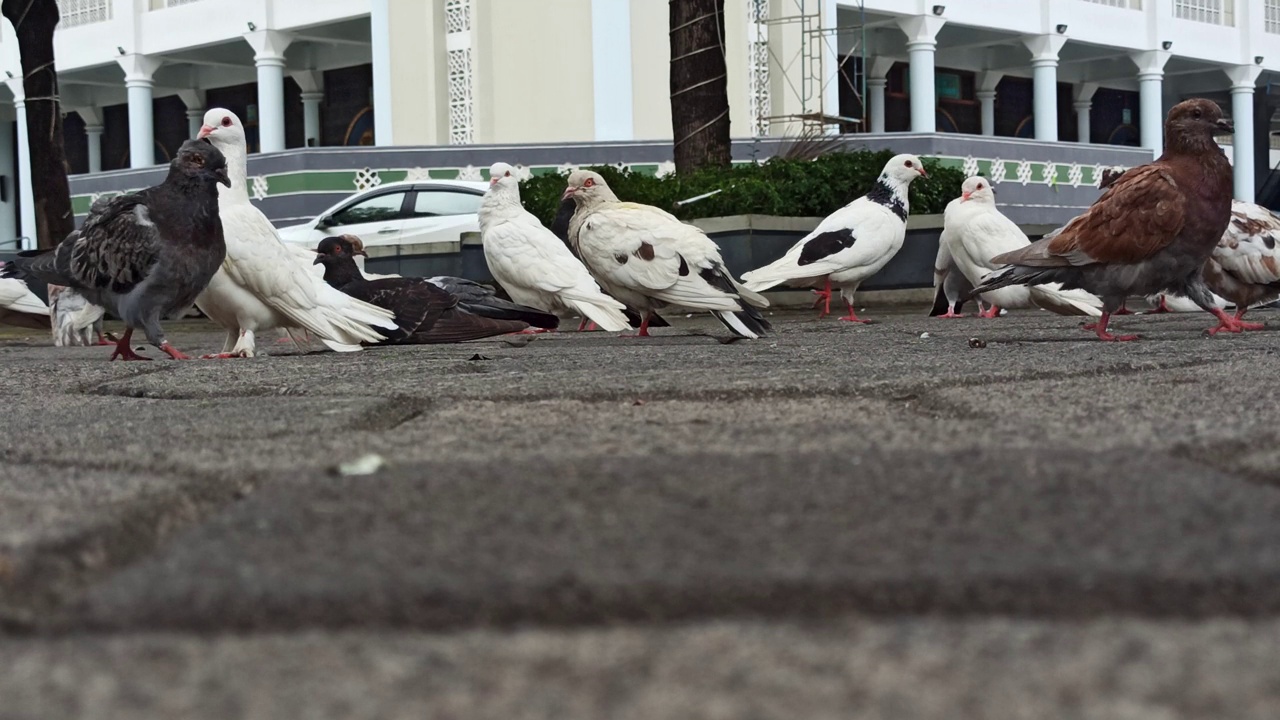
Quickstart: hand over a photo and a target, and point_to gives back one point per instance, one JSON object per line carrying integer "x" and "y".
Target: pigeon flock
{"x": 1168, "y": 231}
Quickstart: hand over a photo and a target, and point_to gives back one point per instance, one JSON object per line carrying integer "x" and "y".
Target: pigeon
{"x": 424, "y": 313}
{"x": 145, "y": 255}
{"x": 560, "y": 228}
{"x": 76, "y": 321}
{"x": 1150, "y": 232}
{"x": 648, "y": 259}
{"x": 265, "y": 284}
{"x": 851, "y": 244}
{"x": 1245, "y": 266}
{"x": 949, "y": 283}
{"x": 531, "y": 264}
{"x": 20, "y": 307}
{"x": 473, "y": 297}
{"x": 974, "y": 231}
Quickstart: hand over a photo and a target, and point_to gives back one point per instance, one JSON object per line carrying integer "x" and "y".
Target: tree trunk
{"x": 699, "y": 87}
{"x": 34, "y": 22}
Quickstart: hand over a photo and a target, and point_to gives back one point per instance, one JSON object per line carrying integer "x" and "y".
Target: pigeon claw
{"x": 1230, "y": 324}
{"x": 950, "y": 314}
{"x": 991, "y": 312}
{"x": 223, "y": 356}
{"x": 1108, "y": 337}
{"x": 173, "y": 352}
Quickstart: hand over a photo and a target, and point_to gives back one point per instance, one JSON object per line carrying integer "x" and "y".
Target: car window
{"x": 434, "y": 203}
{"x": 376, "y": 209}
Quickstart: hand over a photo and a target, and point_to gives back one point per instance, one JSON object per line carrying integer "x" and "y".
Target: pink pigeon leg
{"x": 1228, "y": 323}
{"x": 644, "y": 328}
{"x": 1101, "y": 328}
{"x": 1247, "y": 325}
{"x": 853, "y": 317}
{"x": 124, "y": 351}
{"x": 991, "y": 312}
{"x": 824, "y": 299}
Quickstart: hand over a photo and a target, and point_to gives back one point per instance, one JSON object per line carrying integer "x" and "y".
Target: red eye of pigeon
{"x": 589, "y": 183}
{"x": 508, "y": 174}
{"x": 226, "y": 122}
{"x": 907, "y": 163}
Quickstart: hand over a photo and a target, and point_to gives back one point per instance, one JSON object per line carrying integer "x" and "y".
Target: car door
{"x": 376, "y": 218}
{"x": 440, "y": 214}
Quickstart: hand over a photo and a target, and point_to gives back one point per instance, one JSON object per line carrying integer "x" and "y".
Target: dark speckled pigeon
{"x": 145, "y": 255}
{"x": 1150, "y": 232}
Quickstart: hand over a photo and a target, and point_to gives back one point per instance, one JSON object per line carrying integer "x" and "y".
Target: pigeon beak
{"x": 1225, "y": 125}
{"x": 568, "y": 193}
{"x": 493, "y": 181}
{"x": 221, "y": 174}
{"x": 205, "y": 131}
{"x": 361, "y": 253}
{"x": 964, "y": 196}
{"x": 319, "y": 259}
{"x": 923, "y": 174}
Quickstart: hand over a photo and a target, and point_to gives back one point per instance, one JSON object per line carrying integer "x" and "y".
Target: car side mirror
{"x": 327, "y": 221}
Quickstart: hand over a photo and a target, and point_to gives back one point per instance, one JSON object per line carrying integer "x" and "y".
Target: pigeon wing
{"x": 117, "y": 247}
{"x": 1248, "y": 249}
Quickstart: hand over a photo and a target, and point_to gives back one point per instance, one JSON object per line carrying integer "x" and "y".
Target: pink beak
{"x": 494, "y": 181}
{"x": 923, "y": 174}
{"x": 568, "y": 193}
{"x": 205, "y": 131}
{"x": 964, "y": 196}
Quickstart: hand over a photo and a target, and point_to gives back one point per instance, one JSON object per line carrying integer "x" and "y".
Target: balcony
{"x": 1213, "y": 12}
{"x": 83, "y": 12}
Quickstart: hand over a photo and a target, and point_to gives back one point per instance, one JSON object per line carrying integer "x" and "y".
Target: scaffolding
{"x": 818, "y": 45}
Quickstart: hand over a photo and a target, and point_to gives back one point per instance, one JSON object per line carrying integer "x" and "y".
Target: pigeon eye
{"x": 908, "y": 163}
{"x": 226, "y": 122}
{"x": 508, "y": 174}
{"x": 589, "y": 183}
{"x": 1196, "y": 114}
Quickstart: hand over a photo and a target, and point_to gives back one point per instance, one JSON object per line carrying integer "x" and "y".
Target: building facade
{"x": 137, "y": 75}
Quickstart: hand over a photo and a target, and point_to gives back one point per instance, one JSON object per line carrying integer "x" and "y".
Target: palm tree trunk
{"x": 699, "y": 87}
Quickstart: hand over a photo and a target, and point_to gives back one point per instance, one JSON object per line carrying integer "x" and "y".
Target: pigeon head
{"x": 978, "y": 189}
{"x": 1192, "y": 124}
{"x": 201, "y": 160}
{"x": 353, "y": 245}
{"x": 222, "y": 128}
{"x": 339, "y": 269}
{"x": 502, "y": 175}
{"x": 348, "y": 245}
{"x": 587, "y": 188}
{"x": 902, "y": 169}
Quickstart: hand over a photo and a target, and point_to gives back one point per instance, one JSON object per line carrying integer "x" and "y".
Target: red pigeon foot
{"x": 1126, "y": 311}
{"x": 991, "y": 312}
{"x": 222, "y": 356}
{"x": 123, "y": 351}
{"x": 587, "y": 326}
{"x": 1230, "y": 324}
{"x": 950, "y": 314}
{"x": 173, "y": 352}
{"x": 1161, "y": 307}
{"x": 1100, "y": 328}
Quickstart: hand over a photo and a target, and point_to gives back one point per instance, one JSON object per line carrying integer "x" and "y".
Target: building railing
{"x": 175, "y": 3}
{"x": 1127, "y": 4}
{"x": 1214, "y": 12}
{"x": 83, "y": 12}
{"x": 1271, "y": 16}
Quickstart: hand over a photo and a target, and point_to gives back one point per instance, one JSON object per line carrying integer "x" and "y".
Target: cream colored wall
{"x": 735, "y": 59}
{"x": 650, "y": 70}
{"x": 420, "y": 108}
{"x": 533, "y": 71}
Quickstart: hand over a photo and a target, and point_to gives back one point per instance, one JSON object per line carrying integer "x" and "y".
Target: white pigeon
{"x": 21, "y": 307}
{"x": 265, "y": 284}
{"x": 852, "y": 243}
{"x": 949, "y": 283}
{"x": 532, "y": 264}
{"x": 76, "y": 321}
{"x": 1245, "y": 266}
{"x": 974, "y": 231}
{"x": 648, "y": 259}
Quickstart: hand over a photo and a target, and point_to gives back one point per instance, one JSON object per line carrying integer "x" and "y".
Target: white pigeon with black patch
{"x": 852, "y": 243}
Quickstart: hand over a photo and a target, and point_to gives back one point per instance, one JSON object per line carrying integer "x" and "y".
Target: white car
{"x": 398, "y": 213}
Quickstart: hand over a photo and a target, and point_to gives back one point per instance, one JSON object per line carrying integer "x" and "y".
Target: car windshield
{"x": 432, "y": 203}
{"x": 376, "y": 209}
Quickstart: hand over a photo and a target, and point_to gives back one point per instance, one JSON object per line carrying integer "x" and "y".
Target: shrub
{"x": 779, "y": 186}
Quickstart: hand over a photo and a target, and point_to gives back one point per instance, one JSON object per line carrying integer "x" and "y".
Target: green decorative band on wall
{"x": 999, "y": 170}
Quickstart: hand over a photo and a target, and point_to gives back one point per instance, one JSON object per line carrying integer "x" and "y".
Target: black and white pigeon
{"x": 851, "y": 244}
{"x": 144, "y": 255}
{"x": 425, "y": 314}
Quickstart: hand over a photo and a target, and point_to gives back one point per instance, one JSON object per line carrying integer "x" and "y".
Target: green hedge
{"x": 799, "y": 188}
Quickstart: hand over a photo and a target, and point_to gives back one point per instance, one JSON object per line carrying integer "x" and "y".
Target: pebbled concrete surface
{"x": 877, "y": 521}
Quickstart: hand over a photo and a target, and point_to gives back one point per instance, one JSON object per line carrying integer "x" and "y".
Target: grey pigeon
{"x": 145, "y": 255}
{"x": 1150, "y": 232}
{"x": 479, "y": 299}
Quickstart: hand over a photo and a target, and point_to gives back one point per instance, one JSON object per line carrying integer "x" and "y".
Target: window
{"x": 434, "y": 203}
{"x": 1131, "y": 4}
{"x": 1271, "y": 17}
{"x": 376, "y": 209}
{"x": 1214, "y": 12}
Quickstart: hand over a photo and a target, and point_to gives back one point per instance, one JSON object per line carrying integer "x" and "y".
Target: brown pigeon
{"x": 1150, "y": 232}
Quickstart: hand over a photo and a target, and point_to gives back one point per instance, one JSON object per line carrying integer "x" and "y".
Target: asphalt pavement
{"x": 919, "y": 518}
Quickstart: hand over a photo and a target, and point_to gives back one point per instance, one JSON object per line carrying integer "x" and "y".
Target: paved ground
{"x": 834, "y": 522}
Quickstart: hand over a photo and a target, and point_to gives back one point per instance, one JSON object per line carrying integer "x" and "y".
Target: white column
{"x": 875, "y": 103}
{"x": 138, "y": 73}
{"x": 195, "y": 121}
{"x": 93, "y": 134}
{"x": 1150, "y": 100}
{"x": 1243, "y": 79}
{"x": 380, "y": 42}
{"x": 311, "y": 118}
{"x": 1044, "y": 73}
{"x": 268, "y": 57}
{"x": 921, "y": 32}
{"x": 26, "y": 197}
{"x": 611, "y": 69}
{"x": 1083, "y": 109}
{"x": 987, "y": 101}
{"x": 193, "y": 99}
{"x": 986, "y": 84}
